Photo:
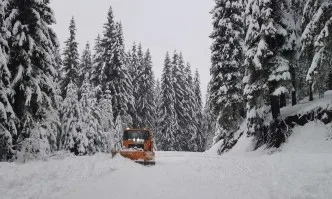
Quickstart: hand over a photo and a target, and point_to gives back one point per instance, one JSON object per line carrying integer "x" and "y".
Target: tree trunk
{"x": 329, "y": 81}
{"x": 283, "y": 102}
{"x": 275, "y": 106}
{"x": 311, "y": 95}
{"x": 293, "y": 77}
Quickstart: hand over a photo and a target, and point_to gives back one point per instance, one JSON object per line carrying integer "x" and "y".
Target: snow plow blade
{"x": 146, "y": 163}
{"x": 141, "y": 157}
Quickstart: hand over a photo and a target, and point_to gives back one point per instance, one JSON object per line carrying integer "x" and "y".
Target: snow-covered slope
{"x": 306, "y": 106}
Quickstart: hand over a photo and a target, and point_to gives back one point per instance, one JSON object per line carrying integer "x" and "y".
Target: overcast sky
{"x": 160, "y": 25}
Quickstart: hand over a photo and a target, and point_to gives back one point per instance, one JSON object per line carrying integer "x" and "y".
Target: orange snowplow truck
{"x": 137, "y": 145}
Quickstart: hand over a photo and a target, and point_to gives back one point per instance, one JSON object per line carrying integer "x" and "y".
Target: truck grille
{"x": 138, "y": 146}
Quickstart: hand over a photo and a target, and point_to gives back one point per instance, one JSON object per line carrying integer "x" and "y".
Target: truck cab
{"x": 137, "y": 145}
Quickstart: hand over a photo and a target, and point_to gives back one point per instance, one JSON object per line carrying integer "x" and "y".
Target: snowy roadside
{"x": 40, "y": 179}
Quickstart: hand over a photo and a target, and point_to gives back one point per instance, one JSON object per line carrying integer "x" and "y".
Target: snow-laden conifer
{"x": 227, "y": 64}
{"x": 33, "y": 67}
{"x": 70, "y": 69}
{"x": 115, "y": 75}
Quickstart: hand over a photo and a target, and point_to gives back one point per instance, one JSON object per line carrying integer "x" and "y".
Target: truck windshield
{"x": 135, "y": 134}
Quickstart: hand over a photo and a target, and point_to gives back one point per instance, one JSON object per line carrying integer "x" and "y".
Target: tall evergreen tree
{"x": 70, "y": 70}
{"x": 33, "y": 48}
{"x": 85, "y": 65}
{"x": 158, "y": 115}
{"x": 7, "y": 115}
{"x": 168, "y": 125}
{"x": 145, "y": 103}
{"x": 179, "y": 93}
{"x": 191, "y": 128}
{"x": 116, "y": 77}
{"x": 199, "y": 120}
{"x": 316, "y": 41}
{"x": 135, "y": 72}
{"x": 90, "y": 120}
{"x": 106, "y": 109}
{"x": 267, "y": 71}
{"x": 227, "y": 61}
{"x": 97, "y": 63}
{"x": 74, "y": 138}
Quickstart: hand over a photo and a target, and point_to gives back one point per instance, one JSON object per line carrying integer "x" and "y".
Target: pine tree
{"x": 145, "y": 102}
{"x": 7, "y": 115}
{"x": 135, "y": 72}
{"x": 85, "y": 65}
{"x": 70, "y": 70}
{"x": 190, "y": 106}
{"x": 179, "y": 93}
{"x": 267, "y": 71}
{"x": 291, "y": 49}
{"x": 316, "y": 42}
{"x": 90, "y": 120}
{"x": 116, "y": 77}
{"x": 97, "y": 65}
{"x": 158, "y": 115}
{"x": 33, "y": 48}
{"x": 74, "y": 138}
{"x": 199, "y": 120}
{"x": 107, "y": 112}
{"x": 168, "y": 125}
{"x": 227, "y": 61}
{"x": 209, "y": 121}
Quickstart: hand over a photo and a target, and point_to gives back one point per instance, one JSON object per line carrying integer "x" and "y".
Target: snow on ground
{"x": 314, "y": 137}
{"x": 302, "y": 169}
{"x": 305, "y": 106}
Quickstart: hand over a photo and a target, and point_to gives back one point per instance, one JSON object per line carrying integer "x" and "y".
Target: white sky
{"x": 160, "y": 25}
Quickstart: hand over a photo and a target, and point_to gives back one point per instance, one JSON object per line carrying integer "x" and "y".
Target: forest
{"x": 55, "y": 99}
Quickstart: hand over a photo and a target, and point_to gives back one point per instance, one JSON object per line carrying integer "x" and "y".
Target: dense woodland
{"x": 54, "y": 99}
{"x": 266, "y": 54}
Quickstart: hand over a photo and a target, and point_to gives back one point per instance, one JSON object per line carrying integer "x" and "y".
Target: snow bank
{"x": 214, "y": 148}
{"x": 305, "y": 106}
{"x": 42, "y": 179}
{"x": 314, "y": 137}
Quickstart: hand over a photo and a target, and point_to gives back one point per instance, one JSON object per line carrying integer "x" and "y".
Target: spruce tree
{"x": 267, "y": 71}
{"x": 191, "y": 129}
{"x": 106, "y": 109}
{"x": 116, "y": 77}
{"x": 227, "y": 62}
{"x": 90, "y": 120}
{"x": 135, "y": 72}
{"x": 199, "y": 120}
{"x": 97, "y": 64}
{"x": 33, "y": 48}
{"x": 158, "y": 115}
{"x": 168, "y": 125}
{"x": 85, "y": 65}
{"x": 179, "y": 91}
{"x": 7, "y": 115}
{"x": 145, "y": 102}
{"x": 74, "y": 139}
{"x": 316, "y": 41}
{"x": 70, "y": 70}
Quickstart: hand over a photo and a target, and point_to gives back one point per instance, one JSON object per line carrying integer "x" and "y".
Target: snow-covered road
{"x": 175, "y": 176}
{"x": 195, "y": 175}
